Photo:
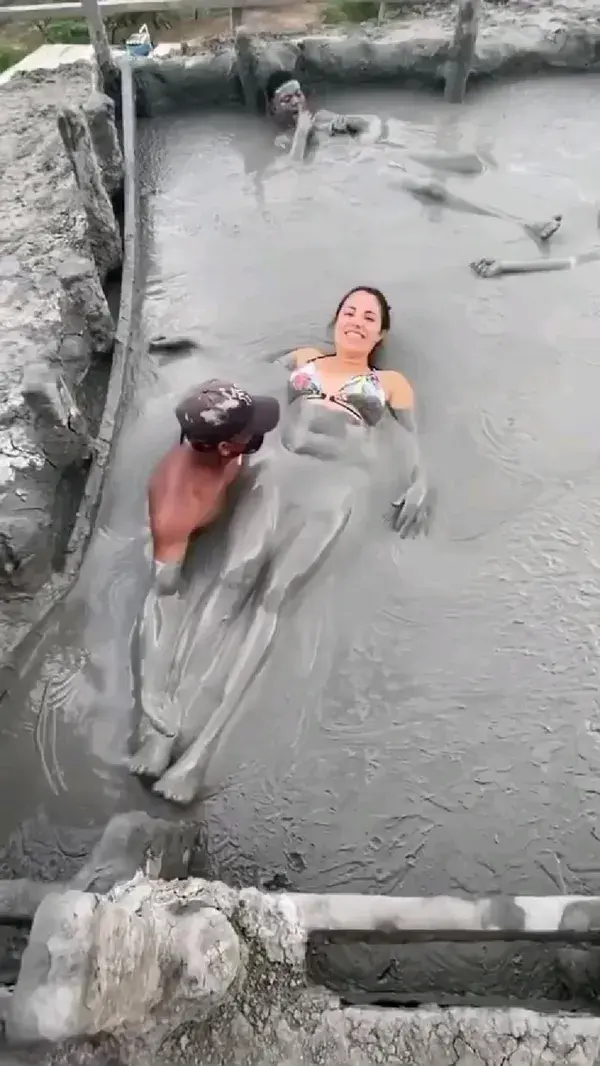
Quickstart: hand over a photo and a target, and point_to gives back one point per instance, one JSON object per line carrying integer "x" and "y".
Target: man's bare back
{"x": 186, "y": 494}
{"x": 220, "y": 424}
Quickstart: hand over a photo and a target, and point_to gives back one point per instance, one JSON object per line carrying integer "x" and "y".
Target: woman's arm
{"x": 411, "y": 510}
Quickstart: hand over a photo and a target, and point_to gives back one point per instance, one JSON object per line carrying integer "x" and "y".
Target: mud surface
{"x": 453, "y": 748}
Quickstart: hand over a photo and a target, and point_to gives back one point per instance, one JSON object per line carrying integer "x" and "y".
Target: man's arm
{"x": 495, "y": 268}
{"x": 302, "y": 132}
{"x": 171, "y": 528}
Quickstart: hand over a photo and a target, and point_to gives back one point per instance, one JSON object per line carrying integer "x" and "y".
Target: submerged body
{"x": 288, "y": 108}
{"x": 286, "y": 528}
{"x": 429, "y": 191}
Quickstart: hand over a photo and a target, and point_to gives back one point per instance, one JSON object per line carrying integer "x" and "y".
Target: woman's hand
{"x": 413, "y": 511}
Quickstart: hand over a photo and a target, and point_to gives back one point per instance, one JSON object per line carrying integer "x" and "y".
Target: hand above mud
{"x": 487, "y": 268}
{"x": 412, "y": 512}
{"x": 340, "y": 125}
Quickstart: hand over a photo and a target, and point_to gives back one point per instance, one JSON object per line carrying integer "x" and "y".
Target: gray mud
{"x": 453, "y": 748}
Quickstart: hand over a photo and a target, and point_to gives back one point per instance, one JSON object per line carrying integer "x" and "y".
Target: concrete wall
{"x": 60, "y": 350}
{"x": 512, "y": 40}
{"x": 191, "y": 971}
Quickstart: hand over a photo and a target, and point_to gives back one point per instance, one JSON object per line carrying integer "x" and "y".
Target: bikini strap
{"x": 326, "y": 355}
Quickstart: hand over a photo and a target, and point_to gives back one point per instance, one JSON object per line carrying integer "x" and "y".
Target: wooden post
{"x": 99, "y": 41}
{"x": 462, "y": 51}
{"x": 246, "y": 68}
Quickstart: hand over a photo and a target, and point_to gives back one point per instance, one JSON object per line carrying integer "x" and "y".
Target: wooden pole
{"x": 99, "y": 40}
{"x": 462, "y": 51}
{"x": 246, "y": 68}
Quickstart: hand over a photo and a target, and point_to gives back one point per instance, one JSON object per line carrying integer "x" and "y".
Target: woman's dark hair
{"x": 275, "y": 81}
{"x": 384, "y": 310}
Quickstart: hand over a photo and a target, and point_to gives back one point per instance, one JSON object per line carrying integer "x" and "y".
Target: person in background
{"x": 287, "y": 105}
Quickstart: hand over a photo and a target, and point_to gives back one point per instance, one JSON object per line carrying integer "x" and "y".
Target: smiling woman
{"x": 349, "y": 381}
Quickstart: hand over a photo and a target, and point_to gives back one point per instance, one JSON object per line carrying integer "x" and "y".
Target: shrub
{"x": 350, "y": 11}
{"x": 11, "y": 54}
{"x": 65, "y": 31}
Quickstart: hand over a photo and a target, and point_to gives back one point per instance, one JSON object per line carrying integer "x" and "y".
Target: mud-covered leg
{"x": 429, "y": 191}
{"x": 300, "y": 558}
{"x": 249, "y": 545}
{"x": 161, "y": 666}
{"x": 159, "y": 722}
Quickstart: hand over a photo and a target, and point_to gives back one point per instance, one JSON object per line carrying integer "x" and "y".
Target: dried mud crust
{"x": 214, "y": 974}
{"x": 54, "y": 320}
{"x": 518, "y": 36}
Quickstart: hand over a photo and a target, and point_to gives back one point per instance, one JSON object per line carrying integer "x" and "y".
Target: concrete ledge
{"x": 194, "y": 971}
{"x": 33, "y": 613}
{"x": 61, "y": 239}
{"x": 119, "y": 387}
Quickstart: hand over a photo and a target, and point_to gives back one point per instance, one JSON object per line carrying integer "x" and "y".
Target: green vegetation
{"x": 65, "y": 31}
{"x": 350, "y": 11}
{"x": 11, "y": 54}
{"x": 18, "y": 40}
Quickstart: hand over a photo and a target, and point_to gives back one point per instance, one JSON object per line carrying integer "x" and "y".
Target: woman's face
{"x": 358, "y": 324}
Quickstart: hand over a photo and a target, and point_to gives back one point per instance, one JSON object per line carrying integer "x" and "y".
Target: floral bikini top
{"x": 362, "y": 395}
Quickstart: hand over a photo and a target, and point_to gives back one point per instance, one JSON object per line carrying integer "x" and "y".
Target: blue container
{"x": 140, "y": 43}
{"x": 138, "y": 48}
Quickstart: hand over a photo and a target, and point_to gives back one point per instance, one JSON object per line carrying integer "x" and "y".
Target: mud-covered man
{"x": 220, "y": 425}
{"x": 287, "y": 106}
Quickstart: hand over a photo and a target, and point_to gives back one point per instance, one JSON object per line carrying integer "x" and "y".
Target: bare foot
{"x": 152, "y": 757}
{"x": 487, "y": 268}
{"x": 543, "y": 231}
{"x": 181, "y": 783}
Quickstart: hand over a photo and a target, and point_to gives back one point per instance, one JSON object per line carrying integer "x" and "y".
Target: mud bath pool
{"x": 454, "y": 748}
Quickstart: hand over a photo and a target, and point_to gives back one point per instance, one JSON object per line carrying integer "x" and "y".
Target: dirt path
{"x": 299, "y": 16}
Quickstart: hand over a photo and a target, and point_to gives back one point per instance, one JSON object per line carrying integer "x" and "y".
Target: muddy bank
{"x": 514, "y": 39}
{"x": 62, "y": 172}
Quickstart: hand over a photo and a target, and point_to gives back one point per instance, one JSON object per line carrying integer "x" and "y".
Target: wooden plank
{"x": 108, "y": 8}
{"x": 462, "y": 50}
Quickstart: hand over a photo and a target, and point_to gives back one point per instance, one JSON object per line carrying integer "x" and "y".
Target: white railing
{"x": 109, "y": 8}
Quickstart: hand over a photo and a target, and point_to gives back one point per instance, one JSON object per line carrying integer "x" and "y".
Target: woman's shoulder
{"x": 300, "y": 356}
{"x": 400, "y": 392}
